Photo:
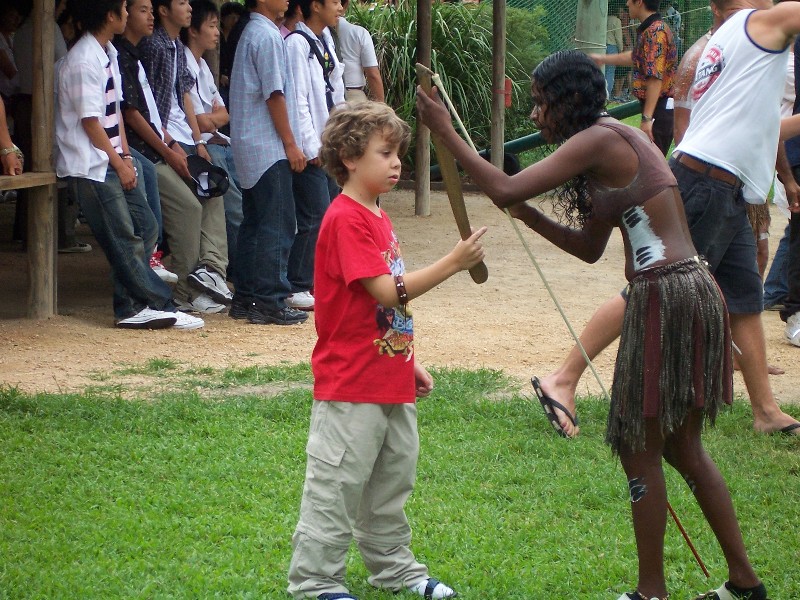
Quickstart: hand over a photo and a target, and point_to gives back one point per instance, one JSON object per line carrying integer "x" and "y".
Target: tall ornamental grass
{"x": 461, "y": 54}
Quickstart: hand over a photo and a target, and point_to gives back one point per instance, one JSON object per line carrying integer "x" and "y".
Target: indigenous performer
{"x": 609, "y": 175}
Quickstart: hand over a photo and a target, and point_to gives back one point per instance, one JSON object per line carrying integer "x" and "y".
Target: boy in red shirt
{"x": 363, "y": 442}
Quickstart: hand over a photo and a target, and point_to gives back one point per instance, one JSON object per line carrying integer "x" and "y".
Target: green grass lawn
{"x": 188, "y": 486}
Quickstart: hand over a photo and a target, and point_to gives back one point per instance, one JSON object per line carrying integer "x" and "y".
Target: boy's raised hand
{"x": 469, "y": 252}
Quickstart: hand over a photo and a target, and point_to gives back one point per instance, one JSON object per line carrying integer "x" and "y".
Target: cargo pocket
{"x": 323, "y": 479}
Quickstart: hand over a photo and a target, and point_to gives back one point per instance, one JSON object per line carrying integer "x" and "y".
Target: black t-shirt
{"x": 227, "y": 48}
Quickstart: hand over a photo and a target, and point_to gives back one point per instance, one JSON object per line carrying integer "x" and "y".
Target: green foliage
{"x": 175, "y": 495}
{"x": 461, "y": 54}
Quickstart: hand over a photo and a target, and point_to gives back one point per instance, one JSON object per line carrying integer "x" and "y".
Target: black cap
{"x": 210, "y": 180}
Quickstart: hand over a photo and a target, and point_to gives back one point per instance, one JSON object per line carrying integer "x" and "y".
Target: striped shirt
{"x": 83, "y": 90}
{"x": 111, "y": 119}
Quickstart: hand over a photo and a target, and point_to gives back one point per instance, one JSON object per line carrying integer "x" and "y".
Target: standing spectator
{"x": 674, "y": 20}
{"x": 93, "y": 154}
{"x": 776, "y": 285}
{"x": 315, "y": 68}
{"x": 232, "y": 39}
{"x": 654, "y": 58}
{"x": 230, "y": 13}
{"x": 263, "y": 117}
{"x": 195, "y": 231}
{"x": 23, "y": 113}
{"x": 623, "y": 83}
{"x": 790, "y": 312}
{"x": 9, "y": 153}
{"x": 143, "y": 126}
{"x": 614, "y": 45}
{"x": 360, "y": 62}
{"x": 720, "y": 167}
{"x": 209, "y": 108}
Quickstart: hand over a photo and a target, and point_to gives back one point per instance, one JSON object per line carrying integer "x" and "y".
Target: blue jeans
{"x": 312, "y": 197}
{"x": 776, "y": 285}
{"x": 265, "y": 238}
{"x": 222, "y": 156}
{"x": 147, "y": 173}
{"x": 126, "y": 230}
{"x": 610, "y": 69}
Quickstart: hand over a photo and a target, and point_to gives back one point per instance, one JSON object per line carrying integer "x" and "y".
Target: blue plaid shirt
{"x": 260, "y": 68}
{"x": 158, "y": 56}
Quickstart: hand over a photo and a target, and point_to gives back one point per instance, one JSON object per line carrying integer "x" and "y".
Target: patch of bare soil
{"x": 508, "y": 323}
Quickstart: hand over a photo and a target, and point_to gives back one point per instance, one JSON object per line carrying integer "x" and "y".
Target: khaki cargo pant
{"x": 362, "y": 461}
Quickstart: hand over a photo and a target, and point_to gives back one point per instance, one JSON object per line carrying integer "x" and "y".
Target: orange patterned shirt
{"x": 654, "y": 56}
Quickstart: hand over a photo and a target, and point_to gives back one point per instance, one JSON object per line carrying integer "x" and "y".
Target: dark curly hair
{"x": 574, "y": 90}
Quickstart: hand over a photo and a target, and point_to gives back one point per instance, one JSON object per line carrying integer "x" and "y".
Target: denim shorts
{"x": 717, "y": 215}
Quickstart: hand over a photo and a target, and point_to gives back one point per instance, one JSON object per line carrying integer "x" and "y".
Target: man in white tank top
{"x": 720, "y": 164}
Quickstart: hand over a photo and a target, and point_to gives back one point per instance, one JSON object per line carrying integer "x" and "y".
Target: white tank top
{"x": 735, "y": 122}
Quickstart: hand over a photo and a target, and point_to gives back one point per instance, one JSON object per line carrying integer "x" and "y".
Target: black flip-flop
{"x": 789, "y": 429}
{"x": 548, "y": 405}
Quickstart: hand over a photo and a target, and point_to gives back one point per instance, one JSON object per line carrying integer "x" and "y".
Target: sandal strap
{"x": 430, "y": 586}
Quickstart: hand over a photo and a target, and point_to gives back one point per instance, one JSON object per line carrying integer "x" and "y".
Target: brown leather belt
{"x": 701, "y": 166}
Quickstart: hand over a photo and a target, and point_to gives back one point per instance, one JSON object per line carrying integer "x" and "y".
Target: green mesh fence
{"x": 690, "y": 19}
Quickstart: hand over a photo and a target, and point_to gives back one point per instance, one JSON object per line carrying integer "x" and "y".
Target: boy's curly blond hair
{"x": 348, "y": 130}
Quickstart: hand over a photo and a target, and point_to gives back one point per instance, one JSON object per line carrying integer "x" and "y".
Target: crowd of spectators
{"x": 146, "y": 150}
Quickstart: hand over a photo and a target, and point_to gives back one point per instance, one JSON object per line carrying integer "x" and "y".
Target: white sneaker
{"x": 792, "y": 331}
{"x": 147, "y": 318}
{"x": 187, "y": 322}
{"x": 201, "y": 304}
{"x": 157, "y": 266}
{"x": 210, "y": 282}
{"x": 301, "y": 301}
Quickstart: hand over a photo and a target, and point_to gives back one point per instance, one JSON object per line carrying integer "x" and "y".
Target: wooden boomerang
{"x": 449, "y": 170}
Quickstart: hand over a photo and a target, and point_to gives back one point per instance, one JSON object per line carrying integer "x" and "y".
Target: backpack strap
{"x": 326, "y": 68}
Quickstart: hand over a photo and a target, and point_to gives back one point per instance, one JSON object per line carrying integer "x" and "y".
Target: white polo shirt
{"x": 358, "y": 52}
{"x": 80, "y": 94}
{"x": 204, "y": 92}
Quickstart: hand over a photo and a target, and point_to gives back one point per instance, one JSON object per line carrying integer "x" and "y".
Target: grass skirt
{"x": 674, "y": 353}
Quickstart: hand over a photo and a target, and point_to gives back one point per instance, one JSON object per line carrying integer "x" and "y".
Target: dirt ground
{"x": 508, "y": 323}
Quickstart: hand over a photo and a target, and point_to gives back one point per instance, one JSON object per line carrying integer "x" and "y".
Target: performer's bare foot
{"x": 780, "y": 422}
{"x": 557, "y": 387}
{"x": 771, "y": 369}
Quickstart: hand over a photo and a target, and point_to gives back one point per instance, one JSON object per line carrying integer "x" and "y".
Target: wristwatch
{"x": 647, "y": 118}
{"x": 200, "y": 143}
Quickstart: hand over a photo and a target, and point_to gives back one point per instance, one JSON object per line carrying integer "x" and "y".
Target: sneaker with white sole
{"x": 186, "y": 322}
{"x": 301, "y": 301}
{"x": 211, "y": 283}
{"x": 201, "y": 304}
{"x": 792, "y": 331}
{"x": 147, "y": 318}
{"x": 165, "y": 275}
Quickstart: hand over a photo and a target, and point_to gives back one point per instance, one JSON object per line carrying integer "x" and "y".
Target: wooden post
{"x": 498, "y": 81}
{"x": 41, "y": 210}
{"x": 422, "y": 163}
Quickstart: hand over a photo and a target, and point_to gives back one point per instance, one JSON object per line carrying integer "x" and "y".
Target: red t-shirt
{"x": 365, "y": 351}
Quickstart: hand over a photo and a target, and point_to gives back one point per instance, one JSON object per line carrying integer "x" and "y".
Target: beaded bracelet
{"x": 402, "y": 295}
